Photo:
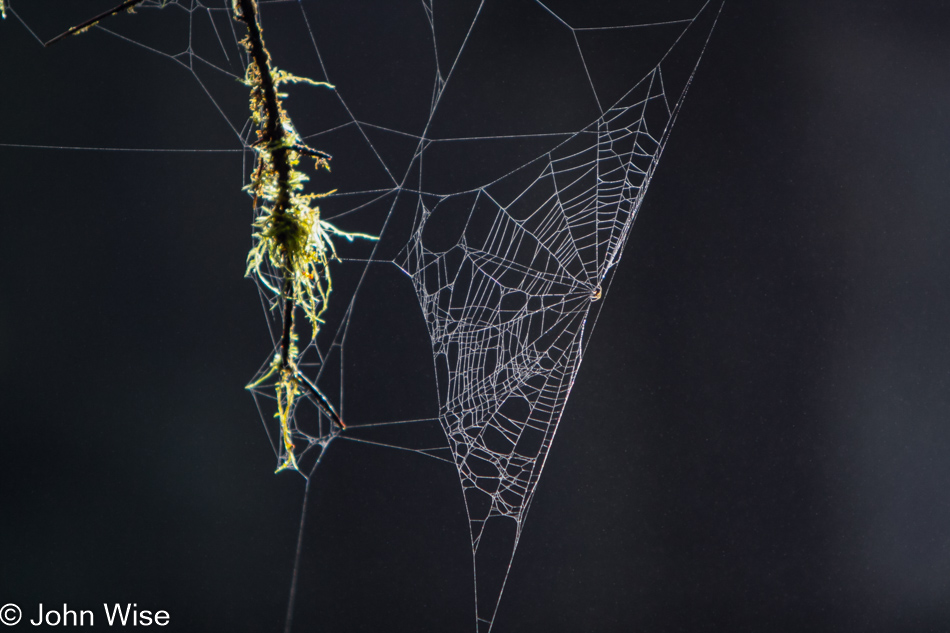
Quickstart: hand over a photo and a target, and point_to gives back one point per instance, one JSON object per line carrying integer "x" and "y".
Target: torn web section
{"x": 512, "y": 252}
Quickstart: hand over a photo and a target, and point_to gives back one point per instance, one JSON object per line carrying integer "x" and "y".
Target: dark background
{"x": 757, "y": 440}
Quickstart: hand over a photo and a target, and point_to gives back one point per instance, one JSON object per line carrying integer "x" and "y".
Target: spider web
{"x": 504, "y": 150}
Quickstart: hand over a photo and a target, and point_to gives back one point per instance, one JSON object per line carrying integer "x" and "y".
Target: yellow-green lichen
{"x": 286, "y": 390}
{"x": 292, "y": 245}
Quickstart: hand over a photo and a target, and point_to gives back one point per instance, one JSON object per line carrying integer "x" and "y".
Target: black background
{"x": 758, "y": 438}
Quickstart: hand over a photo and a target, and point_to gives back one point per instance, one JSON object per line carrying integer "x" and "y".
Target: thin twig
{"x": 93, "y": 21}
{"x": 309, "y": 151}
{"x": 324, "y": 403}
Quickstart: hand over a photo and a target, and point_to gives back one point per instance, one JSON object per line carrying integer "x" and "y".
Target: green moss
{"x": 292, "y": 243}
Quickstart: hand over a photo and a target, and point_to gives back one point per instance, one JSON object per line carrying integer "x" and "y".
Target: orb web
{"x": 503, "y": 151}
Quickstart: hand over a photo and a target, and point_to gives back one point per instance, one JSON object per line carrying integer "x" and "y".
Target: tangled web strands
{"x": 501, "y": 152}
{"x": 509, "y": 303}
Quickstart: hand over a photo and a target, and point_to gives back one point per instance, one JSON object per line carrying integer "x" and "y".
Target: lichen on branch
{"x": 293, "y": 245}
